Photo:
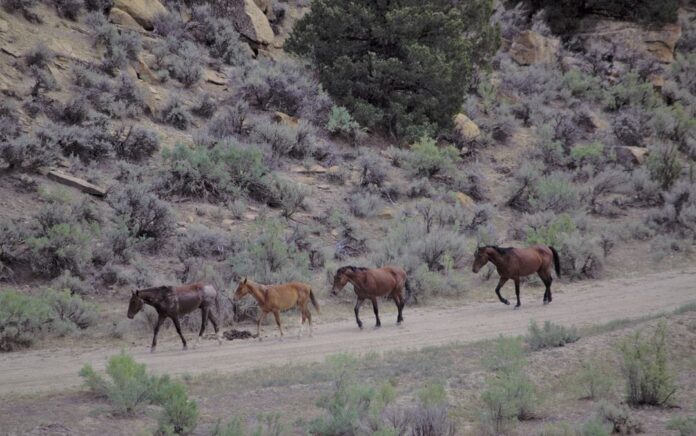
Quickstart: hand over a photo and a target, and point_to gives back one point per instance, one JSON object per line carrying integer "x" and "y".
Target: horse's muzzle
{"x": 130, "y": 316}
{"x": 475, "y": 270}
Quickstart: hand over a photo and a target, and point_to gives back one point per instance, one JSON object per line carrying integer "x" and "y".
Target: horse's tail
{"x": 409, "y": 292}
{"x": 556, "y": 261}
{"x": 217, "y": 305}
{"x": 314, "y": 300}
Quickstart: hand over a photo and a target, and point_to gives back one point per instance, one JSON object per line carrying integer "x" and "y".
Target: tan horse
{"x": 514, "y": 263}
{"x": 277, "y": 298}
{"x": 373, "y": 283}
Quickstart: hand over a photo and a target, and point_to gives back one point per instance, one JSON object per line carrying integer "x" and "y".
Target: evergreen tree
{"x": 401, "y": 66}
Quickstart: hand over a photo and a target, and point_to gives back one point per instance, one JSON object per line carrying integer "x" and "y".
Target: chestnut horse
{"x": 514, "y": 263}
{"x": 372, "y": 283}
{"x": 174, "y": 301}
{"x": 277, "y": 298}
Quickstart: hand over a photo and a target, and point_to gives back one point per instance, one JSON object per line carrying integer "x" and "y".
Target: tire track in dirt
{"x": 579, "y": 304}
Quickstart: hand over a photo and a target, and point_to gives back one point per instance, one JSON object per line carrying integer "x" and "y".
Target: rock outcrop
{"x": 466, "y": 129}
{"x": 142, "y": 11}
{"x": 248, "y": 18}
{"x": 530, "y": 48}
{"x": 621, "y": 39}
{"x": 630, "y": 156}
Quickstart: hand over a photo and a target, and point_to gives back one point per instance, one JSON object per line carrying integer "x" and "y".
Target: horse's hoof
{"x": 517, "y": 306}
{"x": 185, "y": 348}
{"x": 152, "y": 349}
{"x": 506, "y": 302}
{"x": 360, "y": 326}
{"x": 378, "y": 326}
{"x": 546, "y": 302}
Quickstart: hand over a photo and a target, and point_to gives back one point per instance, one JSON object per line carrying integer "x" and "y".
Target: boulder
{"x": 631, "y": 156}
{"x": 622, "y": 40}
{"x": 248, "y": 18}
{"x": 214, "y": 77}
{"x": 144, "y": 73}
{"x": 387, "y": 214}
{"x": 313, "y": 169}
{"x": 142, "y": 11}
{"x": 117, "y": 16}
{"x": 283, "y": 118}
{"x": 75, "y": 182}
{"x": 465, "y": 200}
{"x": 467, "y": 130}
{"x": 530, "y": 48}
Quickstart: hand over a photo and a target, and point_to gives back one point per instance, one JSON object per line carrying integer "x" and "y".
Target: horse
{"x": 514, "y": 263}
{"x": 372, "y": 283}
{"x": 174, "y": 301}
{"x": 278, "y": 298}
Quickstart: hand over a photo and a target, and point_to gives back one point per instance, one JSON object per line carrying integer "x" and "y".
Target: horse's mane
{"x": 500, "y": 250}
{"x": 352, "y": 268}
{"x": 155, "y": 290}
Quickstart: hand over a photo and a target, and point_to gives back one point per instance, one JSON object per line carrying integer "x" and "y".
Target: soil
{"x": 47, "y": 370}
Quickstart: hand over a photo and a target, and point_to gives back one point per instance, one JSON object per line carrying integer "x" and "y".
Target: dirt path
{"x": 584, "y": 304}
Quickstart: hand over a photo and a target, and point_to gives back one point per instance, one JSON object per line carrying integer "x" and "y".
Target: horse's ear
{"x": 133, "y": 293}
{"x": 245, "y": 280}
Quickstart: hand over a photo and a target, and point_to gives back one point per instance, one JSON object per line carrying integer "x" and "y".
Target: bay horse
{"x": 278, "y": 298}
{"x": 514, "y": 263}
{"x": 174, "y": 301}
{"x": 372, "y": 283}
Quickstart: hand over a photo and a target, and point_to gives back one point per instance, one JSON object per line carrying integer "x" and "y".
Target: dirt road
{"x": 583, "y": 304}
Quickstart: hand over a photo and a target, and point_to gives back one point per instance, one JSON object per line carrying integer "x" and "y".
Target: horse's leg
{"x": 398, "y": 300}
{"x": 302, "y": 320}
{"x": 357, "y": 310}
{"x": 308, "y": 315}
{"x": 258, "y": 324}
{"x": 517, "y": 292}
{"x": 276, "y": 315}
{"x": 213, "y": 320}
{"x": 160, "y": 321}
{"x": 374, "y": 307}
{"x": 178, "y": 329}
{"x": 204, "y": 321}
{"x": 547, "y": 278}
{"x": 501, "y": 283}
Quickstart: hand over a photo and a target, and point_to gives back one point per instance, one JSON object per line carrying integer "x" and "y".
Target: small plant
{"x": 128, "y": 388}
{"x": 550, "y": 335}
{"x": 68, "y": 9}
{"x": 179, "y": 414}
{"x": 144, "y": 214}
{"x": 206, "y": 106}
{"x": 138, "y": 145}
{"x": 620, "y": 419}
{"x": 649, "y": 380}
{"x": 684, "y": 425}
{"x": 230, "y": 121}
{"x": 72, "y": 309}
{"x": 427, "y": 159}
{"x": 664, "y": 165}
{"x": 341, "y": 123}
{"x": 594, "y": 379}
{"x": 175, "y": 114}
{"x": 365, "y": 206}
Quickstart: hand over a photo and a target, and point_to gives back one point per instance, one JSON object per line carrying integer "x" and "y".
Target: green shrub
{"x": 341, "y": 123}
{"x": 266, "y": 257}
{"x": 550, "y": 335}
{"x": 427, "y": 159}
{"x": 22, "y": 319}
{"x": 684, "y": 425}
{"x": 365, "y": 206}
{"x": 267, "y": 425}
{"x": 620, "y": 419}
{"x": 552, "y": 233}
{"x": 285, "y": 140}
{"x": 644, "y": 365}
{"x": 291, "y": 196}
{"x": 217, "y": 174}
{"x": 144, "y": 214}
{"x": 410, "y": 85}
{"x": 555, "y": 192}
{"x": 179, "y": 414}
{"x": 632, "y": 91}
{"x": 72, "y": 309}
{"x": 664, "y": 165}
{"x": 138, "y": 145}
{"x": 592, "y": 153}
{"x": 128, "y": 388}
{"x": 594, "y": 379}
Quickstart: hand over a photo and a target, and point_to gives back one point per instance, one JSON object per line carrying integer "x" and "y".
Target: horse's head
{"x": 135, "y": 305}
{"x": 480, "y": 259}
{"x": 243, "y": 289}
{"x": 340, "y": 279}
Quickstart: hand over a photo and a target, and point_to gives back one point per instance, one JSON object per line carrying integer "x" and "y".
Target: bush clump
{"x": 179, "y": 414}
{"x": 649, "y": 380}
{"x": 341, "y": 123}
{"x": 550, "y": 335}
{"x": 427, "y": 159}
{"x": 138, "y": 145}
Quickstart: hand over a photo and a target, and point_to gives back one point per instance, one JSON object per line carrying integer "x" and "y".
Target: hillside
{"x": 153, "y": 142}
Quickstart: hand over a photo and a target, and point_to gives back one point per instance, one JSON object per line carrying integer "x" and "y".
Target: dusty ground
{"x": 579, "y": 304}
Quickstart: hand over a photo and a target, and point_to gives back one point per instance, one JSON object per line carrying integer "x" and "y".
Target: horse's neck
{"x": 499, "y": 261}
{"x": 259, "y": 292}
{"x": 356, "y": 281}
{"x": 153, "y": 298}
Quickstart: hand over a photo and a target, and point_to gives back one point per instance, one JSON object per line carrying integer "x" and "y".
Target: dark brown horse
{"x": 174, "y": 301}
{"x": 373, "y": 283}
{"x": 277, "y": 298}
{"x": 515, "y": 263}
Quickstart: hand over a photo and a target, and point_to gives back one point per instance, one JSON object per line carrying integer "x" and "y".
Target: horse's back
{"x": 396, "y": 273}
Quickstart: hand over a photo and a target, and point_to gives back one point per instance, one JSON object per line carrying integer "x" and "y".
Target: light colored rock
{"x": 283, "y": 118}
{"x": 622, "y": 39}
{"x": 144, "y": 72}
{"x": 465, "y": 200}
{"x": 249, "y": 216}
{"x": 4, "y": 27}
{"x": 466, "y": 129}
{"x": 530, "y": 48}
{"x": 75, "y": 182}
{"x": 142, "y": 11}
{"x": 631, "y": 156}
{"x": 387, "y": 214}
{"x": 314, "y": 169}
{"x": 248, "y": 18}
{"x": 657, "y": 80}
{"x": 597, "y": 122}
{"x": 214, "y": 77}
{"x": 12, "y": 51}
{"x": 122, "y": 18}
